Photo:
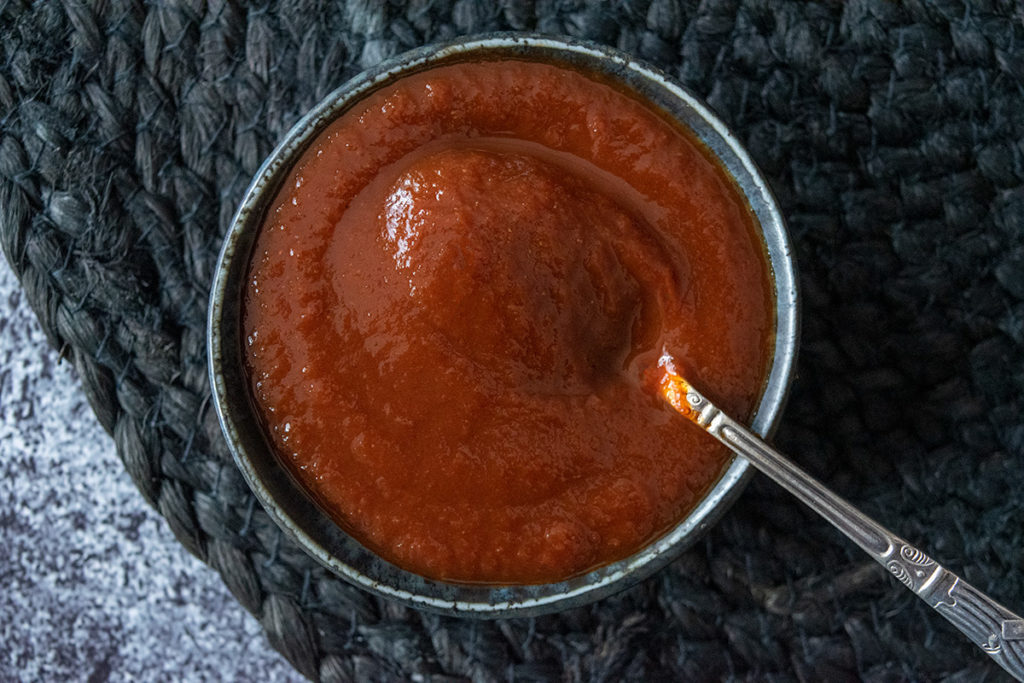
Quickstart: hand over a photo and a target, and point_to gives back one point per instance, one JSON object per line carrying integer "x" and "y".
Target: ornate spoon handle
{"x": 989, "y": 625}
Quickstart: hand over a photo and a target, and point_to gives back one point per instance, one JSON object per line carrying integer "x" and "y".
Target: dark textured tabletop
{"x": 892, "y": 134}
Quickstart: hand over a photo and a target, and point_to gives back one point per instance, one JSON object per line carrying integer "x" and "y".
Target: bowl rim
{"x": 322, "y": 538}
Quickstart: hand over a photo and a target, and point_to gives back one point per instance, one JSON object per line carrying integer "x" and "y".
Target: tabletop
{"x": 891, "y": 136}
{"x": 95, "y": 586}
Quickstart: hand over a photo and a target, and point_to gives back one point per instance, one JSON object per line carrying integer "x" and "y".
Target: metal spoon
{"x": 989, "y": 625}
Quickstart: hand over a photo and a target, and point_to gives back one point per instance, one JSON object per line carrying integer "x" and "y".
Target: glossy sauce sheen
{"x": 454, "y": 306}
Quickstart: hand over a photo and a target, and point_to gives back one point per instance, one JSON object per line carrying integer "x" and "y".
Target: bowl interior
{"x": 285, "y": 500}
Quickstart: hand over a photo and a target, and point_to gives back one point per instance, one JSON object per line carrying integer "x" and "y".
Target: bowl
{"x": 296, "y": 513}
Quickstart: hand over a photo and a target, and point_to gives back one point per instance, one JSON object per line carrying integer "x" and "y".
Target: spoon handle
{"x": 989, "y": 625}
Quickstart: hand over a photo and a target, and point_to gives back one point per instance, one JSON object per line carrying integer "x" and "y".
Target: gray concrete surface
{"x": 93, "y": 586}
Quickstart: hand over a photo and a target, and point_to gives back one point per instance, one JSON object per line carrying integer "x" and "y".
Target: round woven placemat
{"x": 893, "y": 135}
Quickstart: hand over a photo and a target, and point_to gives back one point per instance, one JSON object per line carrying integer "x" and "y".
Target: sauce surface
{"x": 455, "y": 301}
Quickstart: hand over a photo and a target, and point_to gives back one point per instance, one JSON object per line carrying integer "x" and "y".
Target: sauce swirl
{"x": 452, "y": 305}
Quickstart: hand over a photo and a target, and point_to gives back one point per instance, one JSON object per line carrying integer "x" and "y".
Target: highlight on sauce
{"x": 454, "y": 303}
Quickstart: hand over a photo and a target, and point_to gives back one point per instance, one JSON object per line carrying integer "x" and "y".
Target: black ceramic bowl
{"x": 286, "y": 501}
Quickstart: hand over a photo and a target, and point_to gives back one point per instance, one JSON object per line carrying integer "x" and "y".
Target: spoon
{"x": 995, "y": 629}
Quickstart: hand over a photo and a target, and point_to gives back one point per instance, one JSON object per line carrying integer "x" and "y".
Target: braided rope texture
{"x": 893, "y": 136}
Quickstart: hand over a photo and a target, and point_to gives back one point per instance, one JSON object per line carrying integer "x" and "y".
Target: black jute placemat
{"x": 893, "y": 135}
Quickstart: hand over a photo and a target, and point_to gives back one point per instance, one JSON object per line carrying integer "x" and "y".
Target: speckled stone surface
{"x": 94, "y": 585}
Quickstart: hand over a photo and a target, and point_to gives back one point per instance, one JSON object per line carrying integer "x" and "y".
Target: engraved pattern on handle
{"x": 988, "y": 624}
{"x": 911, "y": 566}
{"x": 992, "y": 627}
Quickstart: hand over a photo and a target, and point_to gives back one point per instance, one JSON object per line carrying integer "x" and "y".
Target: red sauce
{"x": 452, "y": 304}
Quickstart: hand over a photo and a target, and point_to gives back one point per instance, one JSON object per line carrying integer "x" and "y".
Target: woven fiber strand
{"x": 893, "y": 135}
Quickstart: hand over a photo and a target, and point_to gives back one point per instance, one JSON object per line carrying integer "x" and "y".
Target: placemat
{"x": 893, "y": 136}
